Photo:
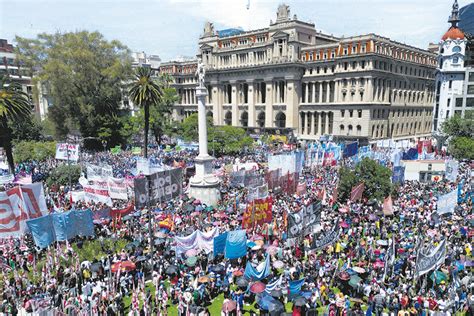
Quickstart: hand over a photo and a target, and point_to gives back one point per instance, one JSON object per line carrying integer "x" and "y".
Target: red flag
{"x": 356, "y": 193}
{"x": 388, "y": 206}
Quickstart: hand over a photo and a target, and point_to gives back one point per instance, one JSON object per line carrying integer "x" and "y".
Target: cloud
{"x": 229, "y": 13}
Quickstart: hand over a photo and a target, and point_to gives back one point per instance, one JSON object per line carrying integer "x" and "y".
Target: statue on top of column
{"x": 283, "y": 13}
{"x": 200, "y": 73}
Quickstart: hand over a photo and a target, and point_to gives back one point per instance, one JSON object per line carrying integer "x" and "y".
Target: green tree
{"x": 228, "y": 140}
{"x": 60, "y": 175}
{"x": 462, "y": 147}
{"x": 28, "y": 129}
{"x": 15, "y": 106}
{"x": 376, "y": 179}
{"x": 461, "y": 136}
{"x": 33, "y": 150}
{"x": 84, "y": 74}
{"x": 145, "y": 92}
{"x": 189, "y": 130}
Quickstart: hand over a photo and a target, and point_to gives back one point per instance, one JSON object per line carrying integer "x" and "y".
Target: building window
{"x": 449, "y": 103}
{"x": 261, "y": 119}
{"x": 342, "y": 113}
{"x": 450, "y": 84}
{"x": 228, "y": 118}
{"x": 359, "y": 129}
{"x": 470, "y": 89}
{"x": 470, "y": 102}
{"x": 351, "y": 113}
{"x": 455, "y": 60}
{"x": 280, "y": 120}
{"x": 471, "y": 77}
{"x": 457, "y": 113}
{"x": 349, "y": 130}
{"x": 244, "y": 119}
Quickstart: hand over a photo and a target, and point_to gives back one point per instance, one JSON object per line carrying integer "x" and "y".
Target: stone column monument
{"x": 204, "y": 185}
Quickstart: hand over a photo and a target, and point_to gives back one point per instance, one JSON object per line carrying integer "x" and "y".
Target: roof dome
{"x": 453, "y": 33}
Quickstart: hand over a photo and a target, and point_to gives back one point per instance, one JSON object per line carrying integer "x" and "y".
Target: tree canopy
{"x": 461, "y": 136}
{"x": 84, "y": 75}
{"x": 221, "y": 139}
{"x": 376, "y": 179}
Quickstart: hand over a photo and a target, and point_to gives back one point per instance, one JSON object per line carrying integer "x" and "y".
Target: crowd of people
{"x": 349, "y": 276}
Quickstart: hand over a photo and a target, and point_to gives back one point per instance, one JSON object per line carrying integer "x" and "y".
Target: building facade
{"x": 289, "y": 78}
{"x": 455, "y": 73}
{"x": 9, "y": 65}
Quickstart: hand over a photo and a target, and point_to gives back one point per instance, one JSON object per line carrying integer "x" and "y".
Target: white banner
{"x": 143, "y": 166}
{"x": 94, "y": 171}
{"x": 65, "y": 150}
{"x": 117, "y": 188}
{"x": 98, "y": 193}
{"x": 447, "y": 202}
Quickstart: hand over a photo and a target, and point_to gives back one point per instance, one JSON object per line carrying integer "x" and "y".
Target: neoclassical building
{"x": 289, "y": 78}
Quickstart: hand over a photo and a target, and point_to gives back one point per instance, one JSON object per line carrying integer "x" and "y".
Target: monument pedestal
{"x": 204, "y": 186}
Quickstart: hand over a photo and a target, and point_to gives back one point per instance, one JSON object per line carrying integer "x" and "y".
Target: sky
{"x": 171, "y": 28}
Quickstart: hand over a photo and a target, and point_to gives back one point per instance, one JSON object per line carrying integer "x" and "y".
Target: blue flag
{"x": 411, "y": 154}
{"x": 350, "y": 150}
{"x": 295, "y": 287}
{"x": 219, "y": 244}
{"x": 42, "y": 230}
{"x": 63, "y": 226}
{"x": 398, "y": 174}
{"x": 259, "y": 273}
{"x": 236, "y": 244}
{"x": 83, "y": 223}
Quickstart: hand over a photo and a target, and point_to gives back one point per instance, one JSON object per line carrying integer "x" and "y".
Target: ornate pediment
{"x": 280, "y": 34}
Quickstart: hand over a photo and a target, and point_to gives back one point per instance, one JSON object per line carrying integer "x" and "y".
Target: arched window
{"x": 350, "y": 129}
{"x": 359, "y": 129}
{"x": 244, "y": 119}
{"x": 228, "y": 118}
{"x": 341, "y": 128}
{"x": 261, "y": 119}
{"x": 209, "y": 114}
{"x": 280, "y": 120}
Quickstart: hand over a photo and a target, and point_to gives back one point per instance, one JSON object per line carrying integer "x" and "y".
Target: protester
{"x": 351, "y": 259}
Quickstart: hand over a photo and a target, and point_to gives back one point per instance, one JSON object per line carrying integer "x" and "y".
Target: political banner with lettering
{"x": 94, "y": 171}
{"x": 97, "y": 193}
{"x": 9, "y": 217}
{"x": 117, "y": 188}
{"x": 160, "y": 186}
{"x": 426, "y": 262}
{"x": 257, "y": 213}
{"x": 304, "y": 221}
{"x": 67, "y": 152}
{"x": 327, "y": 239}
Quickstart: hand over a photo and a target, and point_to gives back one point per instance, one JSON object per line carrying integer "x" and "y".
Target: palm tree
{"x": 145, "y": 92}
{"x": 15, "y": 106}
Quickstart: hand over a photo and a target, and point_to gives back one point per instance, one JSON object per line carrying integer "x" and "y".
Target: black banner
{"x": 305, "y": 220}
{"x": 327, "y": 239}
{"x": 162, "y": 186}
{"x": 425, "y": 262}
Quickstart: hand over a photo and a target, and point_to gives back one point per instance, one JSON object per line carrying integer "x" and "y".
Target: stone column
{"x": 269, "y": 103}
{"x": 235, "y": 110}
{"x": 251, "y": 104}
{"x": 292, "y": 95}
{"x": 314, "y": 92}
{"x": 202, "y": 128}
{"x": 320, "y": 92}
{"x": 301, "y": 123}
{"x": 328, "y": 91}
